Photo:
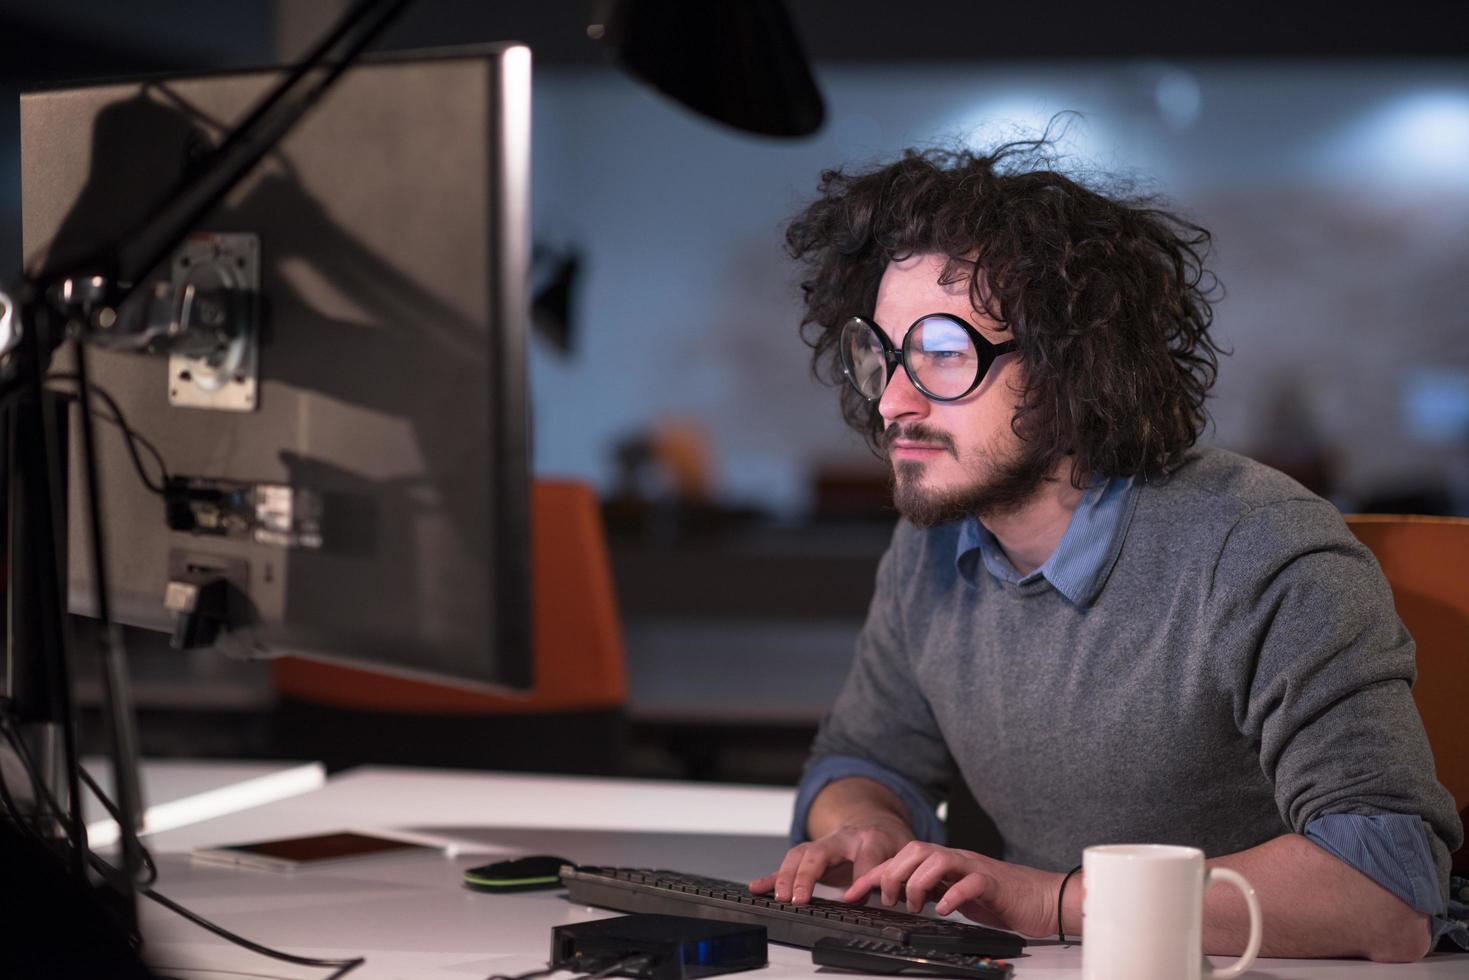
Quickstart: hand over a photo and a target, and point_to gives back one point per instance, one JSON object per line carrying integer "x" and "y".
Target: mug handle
{"x": 1253, "y": 946}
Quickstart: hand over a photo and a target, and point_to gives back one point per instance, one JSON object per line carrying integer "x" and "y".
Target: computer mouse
{"x": 526, "y": 874}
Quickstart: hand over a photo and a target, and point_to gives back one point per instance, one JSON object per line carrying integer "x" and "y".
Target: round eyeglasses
{"x": 945, "y": 357}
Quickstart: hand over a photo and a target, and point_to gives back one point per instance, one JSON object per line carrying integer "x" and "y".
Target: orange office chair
{"x": 345, "y": 716}
{"x": 1426, "y": 561}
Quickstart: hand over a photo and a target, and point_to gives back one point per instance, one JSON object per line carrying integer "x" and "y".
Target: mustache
{"x": 917, "y": 432}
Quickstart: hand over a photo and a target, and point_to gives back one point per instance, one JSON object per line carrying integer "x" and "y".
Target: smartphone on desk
{"x": 298, "y": 853}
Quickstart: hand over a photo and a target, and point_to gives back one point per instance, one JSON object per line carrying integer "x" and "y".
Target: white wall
{"x": 1338, "y": 193}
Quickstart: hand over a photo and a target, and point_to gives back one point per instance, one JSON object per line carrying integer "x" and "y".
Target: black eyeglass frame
{"x": 987, "y": 352}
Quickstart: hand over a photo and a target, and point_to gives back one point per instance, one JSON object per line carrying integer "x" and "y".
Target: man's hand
{"x": 852, "y": 850}
{"x": 992, "y": 893}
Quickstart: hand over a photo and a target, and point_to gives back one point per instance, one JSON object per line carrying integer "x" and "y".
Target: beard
{"x": 996, "y": 487}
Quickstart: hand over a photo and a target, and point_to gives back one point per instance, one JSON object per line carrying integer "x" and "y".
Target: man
{"x": 1111, "y": 636}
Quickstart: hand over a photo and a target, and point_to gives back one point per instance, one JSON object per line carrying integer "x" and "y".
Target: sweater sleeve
{"x": 880, "y": 714}
{"x": 1321, "y": 668}
{"x": 922, "y": 818}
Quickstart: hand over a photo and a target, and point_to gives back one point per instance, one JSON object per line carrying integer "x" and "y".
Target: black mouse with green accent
{"x": 527, "y": 874}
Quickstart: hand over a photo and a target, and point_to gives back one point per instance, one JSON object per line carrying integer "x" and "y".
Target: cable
{"x": 532, "y": 974}
{"x": 134, "y": 439}
{"x": 132, "y": 436}
{"x": 39, "y": 789}
{"x": 44, "y": 798}
{"x": 17, "y": 815}
{"x": 343, "y": 967}
{"x": 6, "y": 799}
{"x": 638, "y": 961}
{"x": 116, "y": 815}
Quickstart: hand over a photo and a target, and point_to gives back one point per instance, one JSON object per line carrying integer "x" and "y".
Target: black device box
{"x": 675, "y": 947}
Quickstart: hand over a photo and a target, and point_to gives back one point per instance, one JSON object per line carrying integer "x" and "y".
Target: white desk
{"x": 411, "y": 917}
{"x": 178, "y": 792}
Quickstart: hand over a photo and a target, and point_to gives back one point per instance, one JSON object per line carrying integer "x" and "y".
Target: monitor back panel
{"x": 393, "y": 247}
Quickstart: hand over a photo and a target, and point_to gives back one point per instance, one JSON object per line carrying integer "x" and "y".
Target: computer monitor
{"x": 385, "y": 406}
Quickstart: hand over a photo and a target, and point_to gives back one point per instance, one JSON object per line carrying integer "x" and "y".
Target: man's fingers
{"x": 813, "y": 865}
{"x": 896, "y": 872}
{"x": 844, "y": 855}
{"x": 928, "y": 877}
{"x": 870, "y": 854}
{"x": 761, "y": 885}
{"x": 974, "y": 887}
{"x": 785, "y": 875}
{"x": 863, "y": 884}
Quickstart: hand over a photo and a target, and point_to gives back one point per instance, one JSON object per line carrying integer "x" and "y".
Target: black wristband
{"x": 1060, "y": 897}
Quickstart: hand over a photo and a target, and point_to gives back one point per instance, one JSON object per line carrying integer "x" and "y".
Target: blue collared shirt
{"x": 1390, "y": 848}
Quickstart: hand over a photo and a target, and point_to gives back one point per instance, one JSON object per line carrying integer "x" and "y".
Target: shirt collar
{"x": 1083, "y": 558}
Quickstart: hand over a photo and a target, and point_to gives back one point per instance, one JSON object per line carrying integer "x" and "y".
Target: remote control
{"x": 876, "y": 956}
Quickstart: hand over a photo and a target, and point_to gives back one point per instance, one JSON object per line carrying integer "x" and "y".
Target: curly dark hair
{"x": 1106, "y": 297}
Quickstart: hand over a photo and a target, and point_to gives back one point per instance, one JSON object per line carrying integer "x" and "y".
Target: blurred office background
{"x": 1328, "y": 152}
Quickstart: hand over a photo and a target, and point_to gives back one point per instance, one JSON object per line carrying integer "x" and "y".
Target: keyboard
{"x": 676, "y": 893}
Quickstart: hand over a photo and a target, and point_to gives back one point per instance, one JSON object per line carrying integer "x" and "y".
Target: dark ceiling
{"x": 56, "y": 39}
{"x": 919, "y": 30}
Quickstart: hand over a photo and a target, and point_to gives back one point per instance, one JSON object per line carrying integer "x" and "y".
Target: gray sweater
{"x": 1240, "y": 673}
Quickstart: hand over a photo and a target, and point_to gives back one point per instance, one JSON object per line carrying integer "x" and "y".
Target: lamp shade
{"x": 736, "y": 61}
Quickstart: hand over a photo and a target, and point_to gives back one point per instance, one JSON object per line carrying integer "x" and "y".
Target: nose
{"x": 901, "y": 400}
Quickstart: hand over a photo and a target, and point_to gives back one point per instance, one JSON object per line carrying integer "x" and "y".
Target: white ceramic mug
{"x": 1143, "y": 914}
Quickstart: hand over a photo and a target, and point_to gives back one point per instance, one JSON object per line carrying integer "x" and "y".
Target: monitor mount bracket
{"x": 205, "y": 316}
{"x": 202, "y": 312}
